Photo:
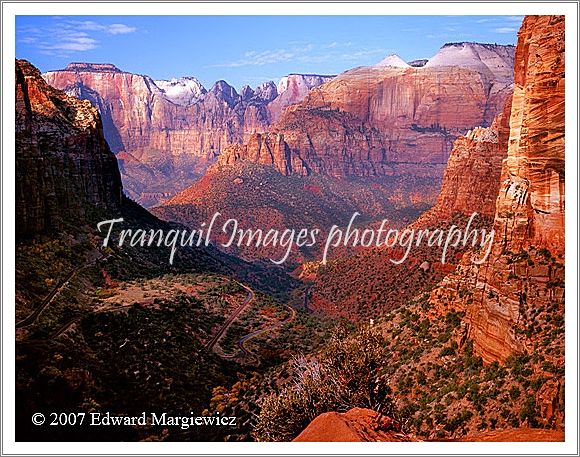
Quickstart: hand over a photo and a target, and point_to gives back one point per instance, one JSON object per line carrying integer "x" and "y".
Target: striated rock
{"x": 390, "y": 119}
{"x": 65, "y": 170}
{"x": 357, "y": 424}
{"x": 513, "y": 296}
{"x": 305, "y": 142}
{"x": 293, "y": 89}
{"x": 172, "y": 132}
{"x": 472, "y": 177}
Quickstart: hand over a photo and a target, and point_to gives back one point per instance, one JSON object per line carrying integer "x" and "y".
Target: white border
{"x": 10, "y": 10}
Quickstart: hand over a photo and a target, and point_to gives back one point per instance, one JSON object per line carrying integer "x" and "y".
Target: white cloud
{"x": 505, "y": 30}
{"x": 307, "y": 53}
{"x": 113, "y": 29}
{"x": 64, "y": 37}
{"x": 120, "y": 29}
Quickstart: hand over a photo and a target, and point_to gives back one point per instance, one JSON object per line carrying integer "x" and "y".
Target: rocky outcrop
{"x": 515, "y": 299}
{"x": 65, "y": 170}
{"x": 169, "y": 140}
{"x": 393, "y": 60}
{"x": 358, "y": 424}
{"x": 365, "y": 425}
{"x": 475, "y": 163}
{"x": 494, "y": 61}
{"x": 307, "y": 142}
{"x": 418, "y": 62}
{"x": 172, "y": 130}
{"x": 182, "y": 91}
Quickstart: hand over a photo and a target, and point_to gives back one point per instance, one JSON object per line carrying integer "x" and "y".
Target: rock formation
{"x": 65, "y": 170}
{"x": 365, "y": 425}
{"x": 519, "y": 290}
{"x": 387, "y": 120}
{"x": 393, "y": 60}
{"x": 494, "y": 61}
{"x": 357, "y": 424}
{"x": 293, "y": 89}
{"x": 168, "y": 132}
{"x": 182, "y": 91}
{"x": 472, "y": 177}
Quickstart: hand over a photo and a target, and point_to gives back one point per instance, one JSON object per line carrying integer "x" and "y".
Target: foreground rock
{"x": 365, "y": 425}
{"x": 358, "y": 424}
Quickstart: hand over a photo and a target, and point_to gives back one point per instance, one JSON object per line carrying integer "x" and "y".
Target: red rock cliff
{"x": 168, "y": 132}
{"x": 385, "y": 120}
{"x": 64, "y": 167}
{"x": 472, "y": 177}
{"x": 519, "y": 290}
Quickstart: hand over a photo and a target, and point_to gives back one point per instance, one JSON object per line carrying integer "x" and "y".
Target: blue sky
{"x": 246, "y": 49}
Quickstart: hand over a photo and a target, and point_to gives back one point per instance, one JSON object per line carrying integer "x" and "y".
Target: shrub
{"x": 345, "y": 375}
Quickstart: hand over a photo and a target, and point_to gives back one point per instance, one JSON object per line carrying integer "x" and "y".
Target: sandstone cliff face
{"x": 169, "y": 142}
{"x": 471, "y": 181}
{"x": 385, "y": 120}
{"x": 170, "y": 131}
{"x": 64, "y": 167}
{"x": 308, "y": 141}
{"x": 518, "y": 292}
{"x": 293, "y": 89}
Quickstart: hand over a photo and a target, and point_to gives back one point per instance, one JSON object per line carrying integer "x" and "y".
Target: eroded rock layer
{"x": 64, "y": 167}
{"x": 166, "y": 133}
{"x": 472, "y": 177}
{"x": 387, "y": 119}
{"x": 520, "y": 288}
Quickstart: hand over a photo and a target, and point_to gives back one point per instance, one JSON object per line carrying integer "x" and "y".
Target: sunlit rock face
{"x": 390, "y": 119}
{"x": 522, "y": 281}
{"x": 167, "y": 132}
{"x": 64, "y": 167}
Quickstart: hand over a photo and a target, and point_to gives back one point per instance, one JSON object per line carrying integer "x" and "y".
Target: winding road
{"x": 245, "y": 352}
{"x": 230, "y": 320}
{"x": 32, "y": 317}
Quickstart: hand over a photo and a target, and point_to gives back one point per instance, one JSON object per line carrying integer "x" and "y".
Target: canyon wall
{"x": 386, "y": 120}
{"x": 293, "y": 89}
{"x": 471, "y": 181}
{"x": 166, "y": 133}
{"x": 64, "y": 168}
{"x": 519, "y": 290}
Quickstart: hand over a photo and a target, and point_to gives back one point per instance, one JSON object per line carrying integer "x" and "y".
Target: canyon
{"x": 508, "y": 312}
{"x": 389, "y": 119}
{"x": 401, "y": 122}
{"x": 166, "y": 133}
{"x": 359, "y": 349}
{"x": 391, "y": 124}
